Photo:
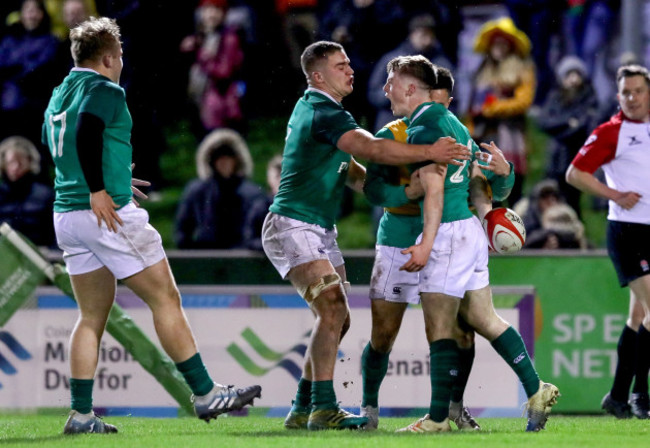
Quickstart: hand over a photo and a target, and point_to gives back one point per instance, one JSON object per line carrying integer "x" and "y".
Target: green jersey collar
{"x": 422, "y": 108}
{"x": 322, "y": 92}
{"x": 82, "y": 69}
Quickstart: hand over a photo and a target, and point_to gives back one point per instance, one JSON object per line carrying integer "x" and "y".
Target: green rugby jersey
{"x": 384, "y": 187}
{"x": 88, "y": 91}
{"x": 401, "y": 222}
{"x": 314, "y": 170}
{"x": 429, "y": 122}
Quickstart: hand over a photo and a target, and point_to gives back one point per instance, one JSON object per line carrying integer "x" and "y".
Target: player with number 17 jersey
{"x": 314, "y": 170}
{"x": 85, "y": 90}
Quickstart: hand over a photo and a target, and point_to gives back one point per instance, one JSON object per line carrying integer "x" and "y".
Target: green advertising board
{"x": 581, "y": 311}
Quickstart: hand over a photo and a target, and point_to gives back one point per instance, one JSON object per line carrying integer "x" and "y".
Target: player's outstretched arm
{"x": 364, "y": 145}
{"x": 587, "y": 182}
{"x": 89, "y": 138}
{"x": 433, "y": 180}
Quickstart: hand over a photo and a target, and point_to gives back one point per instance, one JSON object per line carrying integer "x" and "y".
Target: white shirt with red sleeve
{"x": 622, "y": 147}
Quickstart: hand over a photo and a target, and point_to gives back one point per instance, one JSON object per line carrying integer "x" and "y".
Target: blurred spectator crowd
{"x": 221, "y": 63}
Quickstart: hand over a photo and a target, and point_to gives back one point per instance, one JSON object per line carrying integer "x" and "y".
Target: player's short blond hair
{"x": 417, "y": 67}
{"x": 92, "y": 38}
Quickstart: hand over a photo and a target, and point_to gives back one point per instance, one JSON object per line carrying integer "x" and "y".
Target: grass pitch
{"x": 262, "y": 432}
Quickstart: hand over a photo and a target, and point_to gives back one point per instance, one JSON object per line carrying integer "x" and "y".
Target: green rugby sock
{"x": 444, "y": 361}
{"x": 81, "y": 392}
{"x": 465, "y": 362}
{"x": 511, "y": 348}
{"x": 303, "y": 396}
{"x": 196, "y": 375}
{"x": 323, "y": 395}
{"x": 374, "y": 366}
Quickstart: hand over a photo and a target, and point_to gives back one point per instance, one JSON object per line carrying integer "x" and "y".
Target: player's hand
{"x": 627, "y": 199}
{"x": 104, "y": 208}
{"x": 446, "y": 150}
{"x": 414, "y": 190}
{"x": 135, "y": 183}
{"x": 419, "y": 258}
{"x": 496, "y": 161}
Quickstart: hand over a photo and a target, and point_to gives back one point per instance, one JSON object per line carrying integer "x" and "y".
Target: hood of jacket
{"x": 211, "y": 144}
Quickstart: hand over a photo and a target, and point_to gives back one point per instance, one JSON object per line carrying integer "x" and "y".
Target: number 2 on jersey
{"x": 457, "y": 177}
{"x": 57, "y": 143}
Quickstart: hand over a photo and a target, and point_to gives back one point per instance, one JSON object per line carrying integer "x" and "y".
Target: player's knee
{"x": 465, "y": 334}
{"x": 636, "y": 317}
{"x": 479, "y": 322}
{"x": 382, "y": 340}
{"x": 171, "y": 296}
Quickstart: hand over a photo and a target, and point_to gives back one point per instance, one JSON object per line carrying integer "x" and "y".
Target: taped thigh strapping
{"x": 314, "y": 290}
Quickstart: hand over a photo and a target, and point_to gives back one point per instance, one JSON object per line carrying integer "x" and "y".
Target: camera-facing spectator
{"x": 212, "y": 212}
{"x": 66, "y": 14}
{"x": 215, "y": 86}
{"x": 25, "y": 204}
{"x": 502, "y": 92}
{"x": 568, "y": 116}
{"x": 27, "y": 56}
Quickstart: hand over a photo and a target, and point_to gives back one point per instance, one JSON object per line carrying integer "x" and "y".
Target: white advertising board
{"x": 241, "y": 346}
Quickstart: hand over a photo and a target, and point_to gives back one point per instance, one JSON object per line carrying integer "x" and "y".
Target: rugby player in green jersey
{"x": 102, "y": 233}
{"x": 452, "y": 254}
{"x": 299, "y": 233}
{"x": 392, "y": 288}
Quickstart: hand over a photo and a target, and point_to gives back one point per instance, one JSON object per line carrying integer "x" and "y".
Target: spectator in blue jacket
{"x": 212, "y": 211}
{"x": 27, "y": 57}
{"x": 568, "y": 115}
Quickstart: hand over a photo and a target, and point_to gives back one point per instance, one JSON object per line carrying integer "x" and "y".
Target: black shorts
{"x": 628, "y": 245}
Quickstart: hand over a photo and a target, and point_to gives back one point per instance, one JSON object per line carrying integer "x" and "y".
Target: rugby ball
{"x": 505, "y": 230}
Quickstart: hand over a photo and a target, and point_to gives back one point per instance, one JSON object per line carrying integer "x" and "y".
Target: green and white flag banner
{"x": 20, "y": 274}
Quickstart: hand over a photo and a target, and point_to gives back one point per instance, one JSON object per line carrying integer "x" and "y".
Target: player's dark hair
{"x": 316, "y": 53}
{"x": 92, "y": 38}
{"x": 445, "y": 79}
{"x": 418, "y": 67}
{"x": 627, "y": 71}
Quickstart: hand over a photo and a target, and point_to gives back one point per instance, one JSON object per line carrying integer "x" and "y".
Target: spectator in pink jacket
{"x": 215, "y": 86}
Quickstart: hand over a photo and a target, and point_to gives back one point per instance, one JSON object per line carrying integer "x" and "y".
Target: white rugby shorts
{"x": 458, "y": 261}
{"x": 388, "y": 282}
{"x": 289, "y": 242}
{"x": 87, "y": 247}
